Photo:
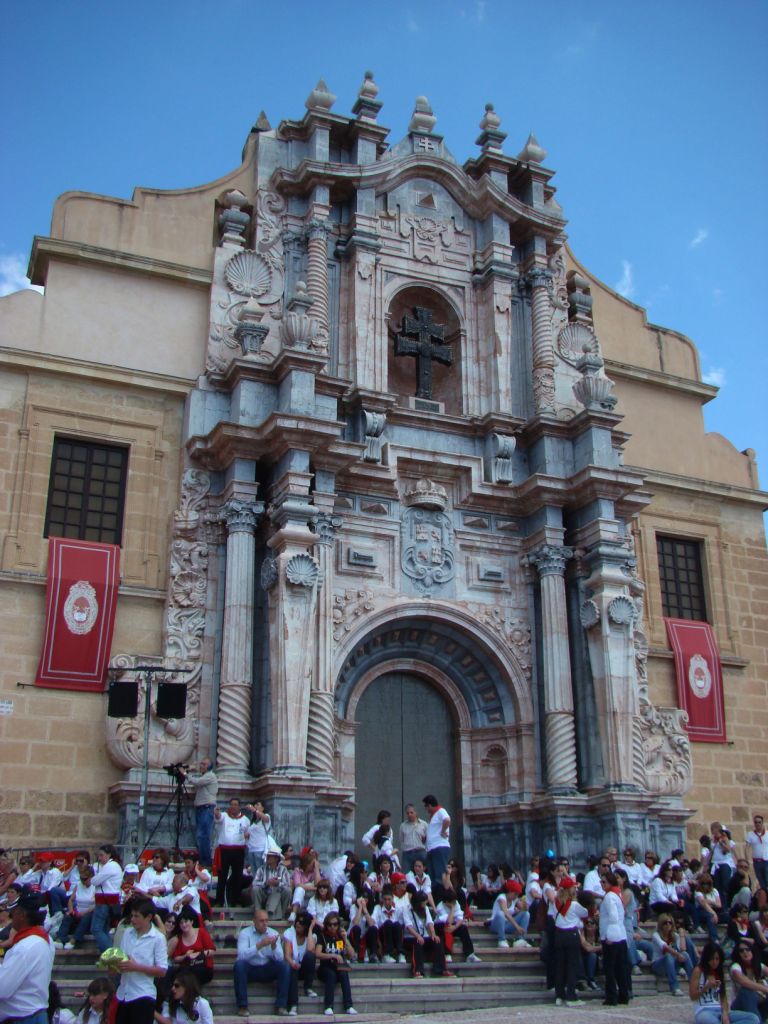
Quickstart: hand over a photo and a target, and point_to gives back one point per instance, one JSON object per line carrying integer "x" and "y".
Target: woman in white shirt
{"x": 79, "y": 912}
{"x": 95, "y": 1009}
{"x": 107, "y": 879}
{"x": 671, "y": 951}
{"x": 663, "y": 894}
{"x": 421, "y": 881}
{"x": 257, "y": 835}
{"x": 321, "y": 904}
{"x": 613, "y": 937}
{"x": 299, "y": 953}
{"x": 186, "y": 1005}
{"x": 750, "y": 980}
{"x": 567, "y": 949}
{"x": 707, "y": 988}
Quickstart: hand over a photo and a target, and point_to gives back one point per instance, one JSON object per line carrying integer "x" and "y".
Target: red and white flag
{"x": 699, "y": 678}
{"x": 83, "y": 578}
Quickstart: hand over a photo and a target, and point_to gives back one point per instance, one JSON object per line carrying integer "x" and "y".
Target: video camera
{"x": 177, "y": 771}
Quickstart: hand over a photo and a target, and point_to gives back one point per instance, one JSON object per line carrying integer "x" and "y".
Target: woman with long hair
{"x": 569, "y": 915}
{"x": 671, "y": 952}
{"x": 185, "y": 1004}
{"x": 98, "y": 1001}
{"x": 321, "y": 905}
{"x": 750, "y": 981}
{"x": 107, "y": 879}
{"x": 420, "y": 880}
{"x": 420, "y": 938}
{"x": 708, "y": 908}
{"x": 191, "y": 948}
{"x": 613, "y": 936}
{"x": 333, "y": 953}
{"x": 299, "y": 953}
{"x": 707, "y": 989}
{"x": 305, "y": 878}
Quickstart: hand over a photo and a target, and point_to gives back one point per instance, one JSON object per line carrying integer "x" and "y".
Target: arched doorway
{"x": 405, "y": 745}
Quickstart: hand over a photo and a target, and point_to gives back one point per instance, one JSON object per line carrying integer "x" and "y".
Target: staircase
{"x": 505, "y": 977}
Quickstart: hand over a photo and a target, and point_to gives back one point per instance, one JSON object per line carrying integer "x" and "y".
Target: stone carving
{"x": 589, "y": 614}
{"x": 184, "y": 629}
{"x": 223, "y": 331}
{"x": 593, "y": 390}
{"x": 321, "y": 98}
{"x": 270, "y": 208}
{"x": 422, "y": 120}
{"x": 250, "y": 331}
{"x": 348, "y": 607}
{"x": 427, "y": 547}
{"x": 424, "y": 340}
{"x": 326, "y": 527}
{"x": 621, "y": 611}
{"x": 532, "y": 153}
{"x": 549, "y": 559}
{"x": 514, "y": 632}
{"x": 240, "y": 516}
{"x": 435, "y": 240}
{"x": 248, "y": 273}
{"x": 373, "y": 428}
{"x": 573, "y": 340}
{"x": 233, "y": 220}
{"x": 426, "y": 494}
{"x": 170, "y": 740}
{"x": 299, "y": 329}
{"x": 302, "y": 570}
{"x": 666, "y": 750}
{"x": 491, "y": 136}
{"x": 268, "y": 573}
{"x": 503, "y": 447}
{"x": 366, "y": 106}
{"x": 558, "y": 289}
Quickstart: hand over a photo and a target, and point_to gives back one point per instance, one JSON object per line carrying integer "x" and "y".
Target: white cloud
{"x": 13, "y": 274}
{"x": 701, "y": 236}
{"x": 480, "y": 6}
{"x": 625, "y": 285}
{"x": 410, "y": 22}
{"x": 715, "y": 375}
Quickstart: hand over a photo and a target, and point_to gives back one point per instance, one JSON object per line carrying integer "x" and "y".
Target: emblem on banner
{"x": 699, "y": 676}
{"x": 81, "y": 608}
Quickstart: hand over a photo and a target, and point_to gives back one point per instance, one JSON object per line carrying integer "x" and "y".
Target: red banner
{"x": 699, "y": 678}
{"x": 83, "y": 578}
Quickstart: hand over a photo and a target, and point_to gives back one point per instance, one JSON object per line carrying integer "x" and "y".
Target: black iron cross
{"x": 422, "y": 338}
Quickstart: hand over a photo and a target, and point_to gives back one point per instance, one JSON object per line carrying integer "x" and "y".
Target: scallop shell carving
{"x": 573, "y": 340}
{"x": 248, "y": 273}
{"x": 302, "y": 571}
{"x": 589, "y": 614}
{"x": 621, "y": 610}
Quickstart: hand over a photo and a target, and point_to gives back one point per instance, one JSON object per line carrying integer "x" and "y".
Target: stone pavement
{"x": 661, "y": 1009}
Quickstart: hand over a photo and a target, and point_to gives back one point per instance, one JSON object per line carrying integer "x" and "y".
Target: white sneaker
{"x": 677, "y": 992}
{"x": 681, "y": 973}
{"x": 521, "y": 944}
{"x": 502, "y": 944}
{"x": 58, "y": 945}
{"x": 310, "y": 993}
{"x": 473, "y": 958}
{"x": 448, "y": 958}
{"x": 328, "y": 1011}
{"x": 387, "y": 959}
{"x": 575, "y": 1002}
{"x": 401, "y": 959}
{"x": 351, "y": 1011}
{"x": 69, "y": 945}
{"x": 559, "y": 1002}
{"x": 636, "y": 969}
{"x": 293, "y": 1011}
{"x": 642, "y": 957}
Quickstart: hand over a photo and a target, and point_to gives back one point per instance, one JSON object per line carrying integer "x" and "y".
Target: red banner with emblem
{"x": 83, "y": 578}
{"x": 699, "y": 678}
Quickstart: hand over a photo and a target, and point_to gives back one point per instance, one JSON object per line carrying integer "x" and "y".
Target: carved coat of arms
{"x": 427, "y": 553}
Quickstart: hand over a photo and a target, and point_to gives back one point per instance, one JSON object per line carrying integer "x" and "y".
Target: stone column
{"x": 543, "y": 349}
{"x": 235, "y": 694}
{"x": 317, "y": 271}
{"x": 320, "y": 730}
{"x": 558, "y": 694}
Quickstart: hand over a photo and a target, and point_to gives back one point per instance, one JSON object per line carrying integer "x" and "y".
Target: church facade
{"x": 400, "y": 476}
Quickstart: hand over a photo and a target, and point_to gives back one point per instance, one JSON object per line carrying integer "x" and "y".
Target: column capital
{"x": 538, "y": 277}
{"x": 549, "y": 559}
{"x": 326, "y": 526}
{"x": 318, "y": 227}
{"x": 241, "y": 516}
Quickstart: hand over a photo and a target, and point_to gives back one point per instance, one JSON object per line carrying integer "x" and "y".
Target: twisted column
{"x": 235, "y": 693}
{"x": 320, "y": 729}
{"x": 560, "y": 731}
{"x": 542, "y": 346}
{"x": 317, "y": 271}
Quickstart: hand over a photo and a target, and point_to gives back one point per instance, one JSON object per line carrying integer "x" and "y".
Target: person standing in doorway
{"x": 413, "y": 838}
{"x": 438, "y": 838}
{"x": 206, "y": 786}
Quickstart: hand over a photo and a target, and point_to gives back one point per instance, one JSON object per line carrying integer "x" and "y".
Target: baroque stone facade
{"x": 416, "y": 448}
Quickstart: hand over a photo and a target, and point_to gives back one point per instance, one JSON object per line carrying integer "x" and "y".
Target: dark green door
{"x": 405, "y": 748}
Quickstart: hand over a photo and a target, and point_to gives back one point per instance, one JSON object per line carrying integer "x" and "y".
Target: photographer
{"x": 206, "y": 786}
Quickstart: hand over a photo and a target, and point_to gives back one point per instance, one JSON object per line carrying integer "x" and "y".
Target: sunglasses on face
{"x": 331, "y": 924}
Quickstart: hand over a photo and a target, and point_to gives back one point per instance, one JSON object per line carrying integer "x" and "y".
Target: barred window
{"x": 86, "y": 491}
{"x": 681, "y": 577}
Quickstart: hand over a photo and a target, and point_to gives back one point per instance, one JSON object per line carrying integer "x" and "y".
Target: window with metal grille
{"x": 681, "y": 577}
{"x": 86, "y": 491}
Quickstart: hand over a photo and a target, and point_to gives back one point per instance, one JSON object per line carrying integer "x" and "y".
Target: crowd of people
{"x": 407, "y": 900}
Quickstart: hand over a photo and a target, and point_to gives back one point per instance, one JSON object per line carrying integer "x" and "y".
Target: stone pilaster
{"x": 556, "y": 667}
{"x": 543, "y": 349}
{"x": 235, "y": 694}
{"x": 318, "y": 230}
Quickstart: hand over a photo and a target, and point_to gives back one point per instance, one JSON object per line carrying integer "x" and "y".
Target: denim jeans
{"x": 82, "y": 925}
{"x": 272, "y": 970}
{"x": 101, "y": 923}
{"x": 203, "y": 834}
{"x": 500, "y": 926}
{"x": 437, "y": 862}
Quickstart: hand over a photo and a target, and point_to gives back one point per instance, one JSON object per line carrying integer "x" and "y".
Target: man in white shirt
{"x": 25, "y": 970}
{"x": 388, "y": 919}
{"x": 233, "y": 834}
{"x": 157, "y": 879}
{"x": 593, "y": 878}
{"x": 757, "y": 841}
{"x": 183, "y": 894}
{"x": 438, "y": 838}
{"x": 723, "y": 861}
{"x": 147, "y": 951}
{"x": 260, "y": 958}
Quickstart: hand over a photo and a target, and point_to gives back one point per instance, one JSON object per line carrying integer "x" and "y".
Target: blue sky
{"x": 653, "y": 114}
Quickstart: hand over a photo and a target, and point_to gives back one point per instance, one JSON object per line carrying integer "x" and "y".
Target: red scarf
{"x": 33, "y": 930}
{"x": 616, "y": 889}
{"x": 563, "y": 908}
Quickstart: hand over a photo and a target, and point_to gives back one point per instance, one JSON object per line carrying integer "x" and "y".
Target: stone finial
{"x": 579, "y": 298}
{"x": 423, "y": 120}
{"x": 298, "y": 329}
{"x": 490, "y": 135}
{"x": 532, "y": 153}
{"x": 262, "y": 123}
{"x": 366, "y": 105}
{"x": 233, "y": 219}
{"x": 321, "y": 98}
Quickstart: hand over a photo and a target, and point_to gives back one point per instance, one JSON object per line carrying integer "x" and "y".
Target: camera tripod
{"x": 181, "y": 816}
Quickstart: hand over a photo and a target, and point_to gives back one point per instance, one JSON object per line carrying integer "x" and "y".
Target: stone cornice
{"x": 478, "y": 198}
{"x": 100, "y": 373}
{"x": 44, "y": 249}
{"x": 270, "y": 440}
{"x": 627, "y": 371}
{"x": 711, "y": 488}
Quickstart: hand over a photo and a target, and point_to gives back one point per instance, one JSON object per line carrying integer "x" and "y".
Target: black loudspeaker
{"x": 171, "y": 700}
{"x": 123, "y": 699}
